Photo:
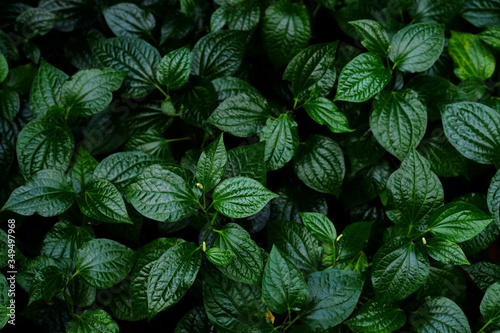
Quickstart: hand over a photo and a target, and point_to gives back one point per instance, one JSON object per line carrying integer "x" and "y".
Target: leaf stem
{"x": 178, "y": 139}
{"x": 291, "y": 323}
{"x": 162, "y": 91}
{"x": 484, "y": 327}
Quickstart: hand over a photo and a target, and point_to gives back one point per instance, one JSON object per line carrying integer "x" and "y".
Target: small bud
{"x": 204, "y": 247}
{"x": 340, "y": 236}
{"x": 424, "y": 241}
{"x": 200, "y": 186}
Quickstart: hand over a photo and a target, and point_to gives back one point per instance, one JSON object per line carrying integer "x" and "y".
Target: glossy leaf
{"x": 373, "y": 36}
{"x": 482, "y": 13}
{"x": 446, "y": 251}
{"x": 353, "y": 240}
{"x": 64, "y": 239}
{"x": 174, "y": 68}
{"x": 46, "y": 283}
{"x": 127, "y": 19}
{"x": 35, "y": 22}
{"x": 377, "y": 317}
{"x": 212, "y": 164}
{"x": 46, "y": 88}
{"x": 93, "y": 320}
{"x": 195, "y": 321}
{"x": 490, "y": 305}
{"x": 325, "y": 112}
{"x": 282, "y": 140}
{"x": 471, "y": 57}
{"x": 247, "y": 161}
{"x": 4, "y": 68}
{"x": 320, "y": 226}
{"x": 440, "y": 314}
{"x": 435, "y": 11}
{"x": 82, "y": 171}
{"x": 220, "y": 257}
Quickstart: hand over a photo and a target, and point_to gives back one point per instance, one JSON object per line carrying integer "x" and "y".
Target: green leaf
{"x": 398, "y": 120}
{"x": 446, "y": 251}
{"x": 283, "y": 286}
{"x": 482, "y": 13}
{"x": 9, "y": 104}
{"x": 324, "y": 112}
{"x": 282, "y": 140}
{"x": 241, "y": 197}
{"x": 4, "y": 68}
{"x": 491, "y": 36}
{"x": 228, "y": 86}
{"x": 171, "y": 276}
{"x": 234, "y": 306}
{"x": 247, "y": 161}
{"x": 212, "y": 164}
{"x": 220, "y": 257}
{"x": 174, "y": 68}
{"x": 333, "y": 295}
{"x": 353, "y": 240}
{"x": 127, "y": 19}
{"x": 416, "y": 48}
{"x": 46, "y": 193}
{"x": 64, "y": 239}
{"x": 471, "y": 57}
{"x": 473, "y": 129}
{"x": 47, "y": 282}
{"x": 82, "y": 171}
{"x": 35, "y": 22}
{"x": 159, "y": 193}
{"x": 91, "y": 321}
{"x": 312, "y": 70}
{"x": 400, "y": 267}
{"x": 104, "y": 262}
{"x": 248, "y": 262}
{"x": 296, "y": 243}
{"x": 46, "y": 88}
{"x": 89, "y": 91}
{"x": 444, "y": 280}
{"x": 490, "y": 305}
{"x": 121, "y": 168}
{"x": 435, "y": 11}
{"x": 320, "y": 164}
{"x": 28, "y": 271}
{"x": 151, "y": 142}
{"x": 458, "y": 221}
{"x": 286, "y": 31}
{"x": 362, "y": 78}
{"x": 101, "y": 200}
{"x": 44, "y": 144}
{"x": 240, "y": 15}
{"x": 195, "y": 321}
{"x": 373, "y": 36}
{"x": 320, "y": 226}
{"x": 242, "y": 115}
{"x": 493, "y": 198}
{"x": 132, "y": 55}
{"x": 440, "y": 314}
{"x": 413, "y": 191}
{"x": 219, "y": 53}
{"x": 483, "y": 274}
{"x": 377, "y": 317}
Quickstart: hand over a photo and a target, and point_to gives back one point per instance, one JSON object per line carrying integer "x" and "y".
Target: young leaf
{"x": 64, "y": 239}
{"x": 377, "y": 317}
{"x": 104, "y": 262}
{"x": 458, "y": 221}
{"x": 362, "y": 78}
{"x": 286, "y": 31}
{"x": 312, "y": 70}
{"x": 398, "y": 120}
{"x": 46, "y": 193}
{"x": 47, "y": 282}
{"x": 320, "y": 226}
{"x": 46, "y": 88}
{"x": 89, "y": 91}
{"x": 212, "y": 164}
{"x": 333, "y": 295}
{"x": 93, "y": 320}
{"x": 320, "y": 164}
{"x": 127, "y": 19}
{"x": 473, "y": 129}
{"x": 248, "y": 262}
{"x": 174, "y": 68}
{"x": 171, "y": 276}
{"x": 416, "y": 47}
{"x": 101, "y": 200}
{"x": 247, "y": 161}
{"x": 471, "y": 57}
{"x": 373, "y": 36}
{"x": 132, "y": 55}
{"x": 413, "y": 191}
{"x": 220, "y": 257}
{"x": 353, "y": 240}
{"x": 400, "y": 267}
{"x": 82, "y": 170}
{"x": 282, "y": 140}
{"x": 219, "y": 53}
{"x": 440, "y": 314}
{"x": 43, "y": 144}
{"x": 324, "y": 112}
{"x": 445, "y": 251}
{"x": 283, "y": 286}
{"x": 121, "y": 168}
{"x": 161, "y": 194}
{"x": 490, "y": 305}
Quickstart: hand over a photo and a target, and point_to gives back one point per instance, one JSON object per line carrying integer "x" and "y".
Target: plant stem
{"x": 179, "y": 139}
{"x": 484, "y": 327}
{"x": 162, "y": 91}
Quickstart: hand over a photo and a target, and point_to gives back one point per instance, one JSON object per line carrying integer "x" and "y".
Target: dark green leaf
{"x": 362, "y": 78}
{"x": 46, "y": 193}
{"x": 4, "y": 68}
{"x": 35, "y": 22}
{"x": 9, "y": 104}
{"x": 212, "y": 164}
{"x": 228, "y": 86}
{"x": 398, "y": 120}
{"x": 353, "y": 240}
{"x": 174, "y": 68}
{"x": 491, "y": 36}
{"x": 64, "y": 239}
{"x": 378, "y": 317}
{"x": 399, "y": 269}
{"x": 446, "y": 251}
{"x": 195, "y": 321}
{"x": 240, "y": 15}
{"x": 444, "y": 280}
{"x": 197, "y": 101}
{"x": 92, "y": 321}
{"x": 47, "y": 282}
{"x": 416, "y": 48}
{"x": 436, "y": 11}
{"x": 471, "y": 57}
{"x": 320, "y": 226}
{"x": 220, "y": 257}
{"x": 483, "y": 274}
{"x": 44, "y": 144}
{"x": 282, "y": 140}
{"x": 494, "y": 197}
{"x": 46, "y": 89}
{"x": 82, "y": 171}
{"x": 127, "y": 19}
{"x": 171, "y": 276}
{"x": 286, "y": 30}
{"x": 320, "y": 164}
{"x": 104, "y": 262}
{"x": 248, "y": 262}
{"x": 295, "y": 199}
{"x": 440, "y": 314}
{"x": 333, "y": 295}
{"x": 482, "y": 13}
{"x": 490, "y": 305}
{"x": 324, "y": 112}
{"x": 373, "y": 36}
{"x": 247, "y": 161}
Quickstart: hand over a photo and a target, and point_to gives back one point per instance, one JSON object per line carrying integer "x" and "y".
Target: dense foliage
{"x": 250, "y": 165}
